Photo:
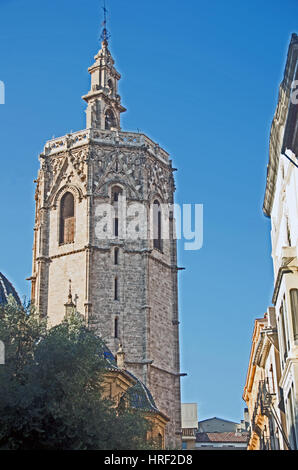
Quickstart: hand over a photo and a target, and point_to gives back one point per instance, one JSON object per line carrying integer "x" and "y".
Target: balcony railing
{"x": 189, "y": 432}
{"x": 264, "y": 407}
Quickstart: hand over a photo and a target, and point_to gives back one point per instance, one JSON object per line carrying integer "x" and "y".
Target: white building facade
{"x": 262, "y": 393}
{"x": 189, "y": 420}
{"x": 281, "y": 205}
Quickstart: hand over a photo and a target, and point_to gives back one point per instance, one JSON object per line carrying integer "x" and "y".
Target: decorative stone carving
{"x": 121, "y": 167}
{"x": 158, "y": 181}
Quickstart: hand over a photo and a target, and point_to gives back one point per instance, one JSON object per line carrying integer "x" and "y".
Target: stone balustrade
{"x": 127, "y": 139}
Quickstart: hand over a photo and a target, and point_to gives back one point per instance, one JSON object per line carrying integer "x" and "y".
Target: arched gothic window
{"x": 110, "y": 120}
{"x": 67, "y": 219}
{"x": 157, "y": 229}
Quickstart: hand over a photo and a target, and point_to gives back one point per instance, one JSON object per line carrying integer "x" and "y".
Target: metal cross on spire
{"x": 105, "y": 35}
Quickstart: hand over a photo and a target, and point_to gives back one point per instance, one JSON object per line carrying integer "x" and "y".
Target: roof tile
{"x": 221, "y": 437}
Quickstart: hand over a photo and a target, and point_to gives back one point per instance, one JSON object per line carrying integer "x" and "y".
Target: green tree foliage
{"x": 51, "y": 392}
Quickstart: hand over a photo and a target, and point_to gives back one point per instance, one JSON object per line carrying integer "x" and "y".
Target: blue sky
{"x": 202, "y": 80}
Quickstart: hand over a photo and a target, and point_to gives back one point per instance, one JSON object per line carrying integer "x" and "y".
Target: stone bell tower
{"x": 126, "y": 287}
{"x": 104, "y": 108}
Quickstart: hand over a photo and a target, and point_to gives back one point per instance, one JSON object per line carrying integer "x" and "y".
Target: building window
{"x": 157, "y": 229}
{"x": 281, "y": 346}
{"x": 116, "y": 227}
{"x": 288, "y": 233}
{"x": 115, "y": 197}
{"x": 110, "y": 120}
{"x": 116, "y": 192}
{"x": 110, "y": 86}
{"x": 294, "y": 310}
{"x": 116, "y": 256}
{"x": 283, "y": 331}
{"x": 67, "y": 219}
{"x": 291, "y": 414}
{"x": 284, "y": 304}
{"x": 116, "y": 289}
{"x": 271, "y": 386}
{"x": 116, "y": 328}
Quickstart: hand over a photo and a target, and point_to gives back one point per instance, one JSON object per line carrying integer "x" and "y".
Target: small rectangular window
{"x": 116, "y": 226}
{"x": 116, "y": 290}
{"x": 283, "y": 330}
{"x": 294, "y": 309}
{"x": 116, "y": 328}
{"x": 116, "y": 256}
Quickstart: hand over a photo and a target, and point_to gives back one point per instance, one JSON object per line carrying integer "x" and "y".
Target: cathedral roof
{"x": 111, "y": 363}
{"x": 138, "y": 395}
{"x": 6, "y": 289}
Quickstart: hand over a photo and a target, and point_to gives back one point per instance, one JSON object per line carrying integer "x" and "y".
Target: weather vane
{"x": 105, "y": 35}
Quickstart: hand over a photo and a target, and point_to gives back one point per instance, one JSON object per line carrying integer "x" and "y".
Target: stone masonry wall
{"x": 147, "y": 278}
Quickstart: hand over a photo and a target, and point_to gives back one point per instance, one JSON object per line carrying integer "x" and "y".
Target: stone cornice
{"x": 282, "y": 270}
{"x": 86, "y": 248}
{"x": 108, "y": 248}
{"x": 175, "y": 374}
{"x": 43, "y": 259}
{"x": 268, "y": 338}
{"x": 143, "y": 362}
{"x": 289, "y": 362}
{"x": 276, "y": 145}
{"x": 250, "y": 376}
{"x": 165, "y": 265}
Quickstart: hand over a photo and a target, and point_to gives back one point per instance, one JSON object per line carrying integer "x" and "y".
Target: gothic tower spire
{"x": 104, "y": 103}
{"x": 105, "y": 33}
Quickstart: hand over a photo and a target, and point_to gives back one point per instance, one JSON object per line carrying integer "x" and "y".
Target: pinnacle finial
{"x": 69, "y": 306}
{"x": 120, "y": 357}
{"x": 105, "y": 35}
{"x": 69, "y": 291}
